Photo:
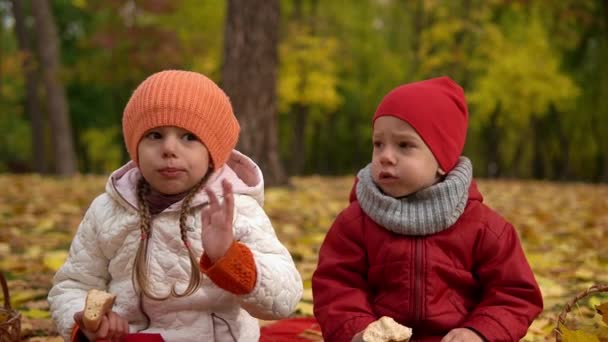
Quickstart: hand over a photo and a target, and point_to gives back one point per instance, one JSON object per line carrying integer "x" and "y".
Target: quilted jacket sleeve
{"x": 512, "y": 298}
{"x": 278, "y": 287}
{"x": 85, "y": 268}
{"x": 339, "y": 284}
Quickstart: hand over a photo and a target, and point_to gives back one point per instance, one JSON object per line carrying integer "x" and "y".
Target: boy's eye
{"x": 404, "y": 144}
{"x": 190, "y": 137}
{"x": 377, "y": 144}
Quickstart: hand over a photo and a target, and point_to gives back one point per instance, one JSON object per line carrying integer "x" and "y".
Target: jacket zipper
{"x": 213, "y": 317}
{"x": 417, "y": 280}
{"x": 121, "y": 197}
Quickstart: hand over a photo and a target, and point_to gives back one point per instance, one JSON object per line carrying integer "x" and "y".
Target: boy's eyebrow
{"x": 399, "y": 136}
{"x": 406, "y": 135}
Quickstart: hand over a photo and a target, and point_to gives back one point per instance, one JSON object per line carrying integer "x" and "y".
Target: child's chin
{"x": 397, "y": 193}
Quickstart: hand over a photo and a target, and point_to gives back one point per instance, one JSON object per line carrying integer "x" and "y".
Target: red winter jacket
{"x": 473, "y": 274}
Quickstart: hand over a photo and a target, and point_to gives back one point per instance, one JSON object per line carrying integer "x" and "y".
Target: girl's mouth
{"x": 171, "y": 172}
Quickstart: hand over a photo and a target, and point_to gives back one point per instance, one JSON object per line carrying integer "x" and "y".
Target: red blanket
{"x": 301, "y": 329}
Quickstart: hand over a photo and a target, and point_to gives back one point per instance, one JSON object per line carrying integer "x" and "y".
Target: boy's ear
{"x": 440, "y": 172}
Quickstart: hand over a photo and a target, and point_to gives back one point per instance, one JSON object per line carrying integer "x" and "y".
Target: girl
{"x": 179, "y": 236}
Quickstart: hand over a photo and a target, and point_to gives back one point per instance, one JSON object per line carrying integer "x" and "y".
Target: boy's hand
{"x": 462, "y": 335}
{"x": 358, "y": 337}
{"x": 112, "y": 328}
{"x": 217, "y": 233}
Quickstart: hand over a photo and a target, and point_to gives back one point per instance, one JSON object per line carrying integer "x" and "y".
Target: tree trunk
{"x": 604, "y": 147}
{"x": 298, "y": 145}
{"x": 319, "y": 156}
{"x": 492, "y": 140}
{"x": 30, "y": 74}
{"x": 249, "y": 77}
{"x": 419, "y": 23}
{"x": 460, "y": 69}
{"x": 300, "y": 110}
{"x": 48, "y": 49}
{"x": 538, "y": 159}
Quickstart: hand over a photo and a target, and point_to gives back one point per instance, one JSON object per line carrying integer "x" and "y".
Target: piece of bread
{"x": 97, "y": 304}
{"x": 386, "y": 330}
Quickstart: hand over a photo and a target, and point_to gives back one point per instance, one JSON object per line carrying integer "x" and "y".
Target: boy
{"x": 416, "y": 243}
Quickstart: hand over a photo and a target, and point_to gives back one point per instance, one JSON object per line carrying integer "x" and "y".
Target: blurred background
{"x": 305, "y": 77}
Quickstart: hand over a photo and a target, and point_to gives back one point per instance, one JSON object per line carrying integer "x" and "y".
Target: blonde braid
{"x": 195, "y": 274}
{"x": 140, "y": 265}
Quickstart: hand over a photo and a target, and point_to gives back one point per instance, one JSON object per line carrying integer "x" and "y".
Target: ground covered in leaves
{"x": 563, "y": 227}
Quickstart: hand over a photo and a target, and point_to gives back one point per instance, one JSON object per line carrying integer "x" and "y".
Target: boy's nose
{"x": 387, "y": 157}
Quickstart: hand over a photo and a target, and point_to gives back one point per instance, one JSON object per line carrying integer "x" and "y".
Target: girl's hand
{"x": 462, "y": 335}
{"x": 217, "y": 233}
{"x": 112, "y": 328}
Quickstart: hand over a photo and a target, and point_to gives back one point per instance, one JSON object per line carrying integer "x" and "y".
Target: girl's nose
{"x": 169, "y": 146}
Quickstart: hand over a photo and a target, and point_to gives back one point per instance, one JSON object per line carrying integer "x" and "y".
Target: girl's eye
{"x": 154, "y": 135}
{"x": 190, "y": 137}
{"x": 405, "y": 145}
{"x": 377, "y": 144}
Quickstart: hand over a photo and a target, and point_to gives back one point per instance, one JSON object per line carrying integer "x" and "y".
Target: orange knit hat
{"x": 184, "y": 99}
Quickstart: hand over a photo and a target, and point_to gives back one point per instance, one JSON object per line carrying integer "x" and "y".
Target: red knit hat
{"x": 437, "y": 110}
{"x": 183, "y": 99}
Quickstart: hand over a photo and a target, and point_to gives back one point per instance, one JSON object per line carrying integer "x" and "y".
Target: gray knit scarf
{"x": 428, "y": 211}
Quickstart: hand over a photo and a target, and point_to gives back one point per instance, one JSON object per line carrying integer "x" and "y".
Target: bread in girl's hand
{"x": 97, "y": 304}
{"x": 386, "y": 330}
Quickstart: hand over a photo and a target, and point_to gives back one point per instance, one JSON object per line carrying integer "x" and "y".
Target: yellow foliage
{"x": 35, "y": 313}
{"x": 53, "y": 260}
{"x": 79, "y": 3}
{"x": 18, "y": 298}
{"x": 522, "y": 78}
{"x": 103, "y": 151}
{"x": 603, "y": 310}
{"x": 577, "y": 336}
{"x": 308, "y": 71}
{"x": 305, "y": 309}
{"x": 562, "y": 227}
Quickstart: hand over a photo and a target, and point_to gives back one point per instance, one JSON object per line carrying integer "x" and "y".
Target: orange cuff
{"x": 235, "y": 272}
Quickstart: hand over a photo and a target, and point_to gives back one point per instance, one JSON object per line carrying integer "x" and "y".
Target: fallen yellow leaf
{"x": 53, "y": 260}
{"x": 603, "y": 310}
{"x": 36, "y": 313}
{"x": 576, "y": 335}
{"x": 305, "y": 309}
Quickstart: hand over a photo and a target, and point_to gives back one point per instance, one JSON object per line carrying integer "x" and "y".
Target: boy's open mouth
{"x": 386, "y": 175}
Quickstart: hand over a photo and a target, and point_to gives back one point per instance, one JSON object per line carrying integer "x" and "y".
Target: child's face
{"x": 172, "y": 159}
{"x": 401, "y": 162}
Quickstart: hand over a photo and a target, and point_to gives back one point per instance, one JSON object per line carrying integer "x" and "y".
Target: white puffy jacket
{"x": 103, "y": 250}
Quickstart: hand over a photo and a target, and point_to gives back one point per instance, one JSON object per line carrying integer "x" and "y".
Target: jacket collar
{"x": 428, "y": 211}
{"x": 245, "y": 176}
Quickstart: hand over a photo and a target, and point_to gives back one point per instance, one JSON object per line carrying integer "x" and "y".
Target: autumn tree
{"x": 308, "y": 81}
{"x": 32, "y": 107}
{"x": 57, "y": 106}
{"x": 249, "y": 77}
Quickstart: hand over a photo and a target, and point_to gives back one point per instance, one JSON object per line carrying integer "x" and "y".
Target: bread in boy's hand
{"x": 97, "y": 304}
{"x": 386, "y": 330}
